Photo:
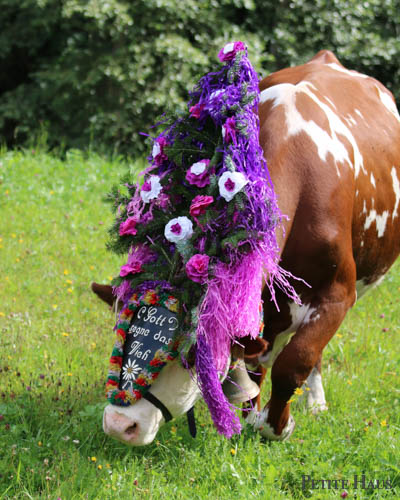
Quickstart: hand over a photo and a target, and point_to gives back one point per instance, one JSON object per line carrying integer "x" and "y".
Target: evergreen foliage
{"x": 94, "y": 72}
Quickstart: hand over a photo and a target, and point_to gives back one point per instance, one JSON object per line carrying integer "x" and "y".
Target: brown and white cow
{"x": 331, "y": 138}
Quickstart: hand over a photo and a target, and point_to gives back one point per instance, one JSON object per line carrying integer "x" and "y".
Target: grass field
{"x": 56, "y": 339}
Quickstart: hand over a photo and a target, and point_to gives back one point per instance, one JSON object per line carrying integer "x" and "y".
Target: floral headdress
{"x": 203, "y": 223}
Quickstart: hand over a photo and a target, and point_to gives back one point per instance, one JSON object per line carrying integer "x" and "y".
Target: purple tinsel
{"x": 222, "y": 412}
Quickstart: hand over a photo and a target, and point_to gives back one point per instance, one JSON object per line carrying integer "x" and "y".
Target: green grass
{"x": 56, "y": 338}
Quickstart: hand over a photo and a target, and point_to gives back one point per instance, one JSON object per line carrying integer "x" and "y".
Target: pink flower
{"x": 229, "y": 51}
{"x": 128, "y": 227}
{"x": 199, "y": 205}
{"x": 158, "y": 150}
{"x": 133, "y": 268}
{"x": 229, "y": 130}
{"x": 198, "y": 174}
{"x": 197, "y": 268}
{"x": 195, "y": 111}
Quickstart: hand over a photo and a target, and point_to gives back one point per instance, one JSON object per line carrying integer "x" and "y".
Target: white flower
{"x": 229, "y": 47}
{"x": 156, "y": 149}
{"x": 151, "y": 189}
{"x": 130, "y": 370}
{"x": 180, "y": 228}
{"x": 199, "y": 167}
{"x": 231, "y": 183}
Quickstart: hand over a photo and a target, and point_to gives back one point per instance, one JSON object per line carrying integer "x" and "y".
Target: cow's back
{"x": 332, "y": 141}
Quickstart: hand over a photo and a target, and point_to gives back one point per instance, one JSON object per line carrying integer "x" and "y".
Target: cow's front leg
{"x": 294, "y": 365}
{"x": 314, "y": 393}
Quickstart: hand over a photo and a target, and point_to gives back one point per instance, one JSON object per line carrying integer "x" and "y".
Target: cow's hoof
{"x": 316, "y": 408}
{"x": 259, "y": 422}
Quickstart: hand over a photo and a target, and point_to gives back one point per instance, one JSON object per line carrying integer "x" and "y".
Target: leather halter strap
{"x": 167, "y": 414}
{"x": 158, "y": 404}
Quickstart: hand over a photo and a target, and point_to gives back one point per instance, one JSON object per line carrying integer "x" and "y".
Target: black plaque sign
{"x": 151, "y": 328}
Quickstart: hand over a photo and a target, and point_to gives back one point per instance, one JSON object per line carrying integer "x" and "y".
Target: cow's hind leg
{"x": 295, "y": 363}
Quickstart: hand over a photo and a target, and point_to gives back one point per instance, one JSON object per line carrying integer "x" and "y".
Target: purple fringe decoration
{"x": 222, "y": 412}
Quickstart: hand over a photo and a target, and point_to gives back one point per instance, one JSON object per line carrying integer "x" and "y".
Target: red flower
{"x": 121, "y": 395}
{"x": 155, "y": 362}
{"x": 140, "y": 381}
{"x": 195, "y": 111}
{"x": 128, "y": 227}
{"x": 122, "y": 333}
{"x": 197, "y": 268}
{"x": 116, "y": 360}
{"x": 199, "y": 205}
{"x": 112, "y": 382}
{"x": 137, "y": 394}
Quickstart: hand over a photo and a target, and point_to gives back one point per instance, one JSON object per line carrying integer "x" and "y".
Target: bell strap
{"x": 191, "y": 422}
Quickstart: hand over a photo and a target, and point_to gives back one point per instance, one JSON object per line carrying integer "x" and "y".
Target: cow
{"x": 331, "y": 138}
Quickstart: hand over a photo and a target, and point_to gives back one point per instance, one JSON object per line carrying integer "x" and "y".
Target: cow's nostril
{"x": 131, "y": 429}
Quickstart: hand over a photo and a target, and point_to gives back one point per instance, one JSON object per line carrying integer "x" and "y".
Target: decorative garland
{"x": 154, "y": 367}
{"x": 204, "y": 223}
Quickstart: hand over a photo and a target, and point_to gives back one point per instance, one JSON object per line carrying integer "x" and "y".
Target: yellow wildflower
{"x": 93, "y": 459}
{"x": 13, "y": 235}
{"x": 91, "y": 268}
{"x": 2, "y": 314}
{"x": 298, "y": 391}
{"x": 339, "y": 335}
{"x": 350, "y": 382}
{"x": 233, "y": 451}
{"x": 69, "y": 290}
{"x": 40, "y": 443}
{"x": 54, "y": 306}
{"x": 65, "y": 334}
{"x": 69, "y": 282}
{"x": 99, "y": 466}
{"x": 69, "y": 374}
{"x": 383, "y": 423}
{"x": 66, "y": 272}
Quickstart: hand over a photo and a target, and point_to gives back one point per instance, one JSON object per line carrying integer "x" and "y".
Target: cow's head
{"x": 176, "y": 388}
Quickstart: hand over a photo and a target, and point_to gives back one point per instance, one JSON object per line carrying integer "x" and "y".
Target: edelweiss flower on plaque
{"x": 230, "y": 183}
{"x": 178, "y": 229}
{"x": 151, "y": 189}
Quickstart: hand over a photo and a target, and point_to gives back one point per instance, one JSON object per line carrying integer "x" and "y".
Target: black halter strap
{"x": 158, "y": 404}
{"x": 167, "y": 414}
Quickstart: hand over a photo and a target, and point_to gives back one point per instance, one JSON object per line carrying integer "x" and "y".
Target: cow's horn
{"x": 238, "y": 386}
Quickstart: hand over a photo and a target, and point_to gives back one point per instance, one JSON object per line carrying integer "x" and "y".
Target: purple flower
{"x": 133, "y": 268}
{"x": 230, "y": 50}
{"x": 198, "y": 174}
{"x": 128, "y": 227}
{"x": 197, "y": 268}
{"x": 199, "y": 205}
{"x": 158, "y": 151}
{"x": 229, "y": 130}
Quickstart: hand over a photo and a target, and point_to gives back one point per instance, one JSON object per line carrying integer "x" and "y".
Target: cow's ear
{"x": 253, "y": 348}
{"x": 104, "y": 292}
